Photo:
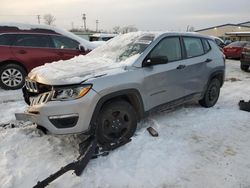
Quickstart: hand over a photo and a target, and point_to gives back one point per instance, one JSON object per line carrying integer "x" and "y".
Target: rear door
{"x": 163, "y": 83}
{"x": 67, "y": 48}
{"x": 34, "y": 50}
{"x": 194, "y": 72}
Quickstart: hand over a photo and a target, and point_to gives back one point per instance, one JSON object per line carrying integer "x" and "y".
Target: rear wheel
{"x": 117, "y": 120}
{"x": 12, "y": 76}
{"x": 244, "y": 67}
{"x": 212, "y": 94}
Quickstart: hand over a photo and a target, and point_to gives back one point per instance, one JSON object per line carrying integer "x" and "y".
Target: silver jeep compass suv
{"x": 109, "y": 90}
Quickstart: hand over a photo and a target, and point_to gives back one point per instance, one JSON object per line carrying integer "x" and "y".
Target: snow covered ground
{"x": 196, "y": 147}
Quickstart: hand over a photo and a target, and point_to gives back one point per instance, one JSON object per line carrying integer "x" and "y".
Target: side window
{"x": 168, "y": 47}
{"x": 6, "y": 39}
{"x": 32, "y": 40}
{"x": 206, "y": 45}
{"x": 193, "y": 46}
{"x": 64, "y": 42}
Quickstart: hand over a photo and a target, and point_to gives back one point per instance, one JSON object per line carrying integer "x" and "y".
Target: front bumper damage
{"x": 61, "y": 117}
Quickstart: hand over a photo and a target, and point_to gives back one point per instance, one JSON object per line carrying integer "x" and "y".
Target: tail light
{"x": 244, "y": 50}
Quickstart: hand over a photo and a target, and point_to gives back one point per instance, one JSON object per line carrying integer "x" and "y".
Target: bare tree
{"x": 129, "y": 28}
{"x": 49, "y": 19}
{"x": 117, "y": 29}
{"x": 190, "y": 28}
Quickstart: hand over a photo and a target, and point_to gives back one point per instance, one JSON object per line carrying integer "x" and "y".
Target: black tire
{"x": 244, "y": 67}
{"x": 212, "y": 94}
{"x": 116, "y": 120}
{"x": 12, "y": 76}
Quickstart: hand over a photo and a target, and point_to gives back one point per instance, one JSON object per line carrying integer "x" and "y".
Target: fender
{"x": 220, "y": 73}
{"x": 133, "y": 96}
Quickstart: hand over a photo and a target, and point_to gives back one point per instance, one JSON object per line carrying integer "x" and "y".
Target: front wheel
{"x": 212, "y": 94}
{"x": 12, "y": 76}
{"x": 117, "y": 120}
{"x": 244, "y": 67}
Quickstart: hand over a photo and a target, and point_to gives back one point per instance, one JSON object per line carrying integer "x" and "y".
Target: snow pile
{"x": 196, "y": 147}
{"x": 81, "y": 67}
{"x": 10, "y": 103}
{"x": 12, "y": 95}
{"x": 61, "y": 31}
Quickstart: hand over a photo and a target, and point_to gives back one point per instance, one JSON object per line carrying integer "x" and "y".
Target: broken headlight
{"x": 71, "y": 93}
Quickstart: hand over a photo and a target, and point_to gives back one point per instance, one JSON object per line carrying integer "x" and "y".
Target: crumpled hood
{"x": 76, "y": 70}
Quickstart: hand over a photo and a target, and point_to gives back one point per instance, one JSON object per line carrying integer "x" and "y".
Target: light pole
{"x": 38, "y": 19}
{"x": 97, "y": 22}
{"x": 84, "y": 21}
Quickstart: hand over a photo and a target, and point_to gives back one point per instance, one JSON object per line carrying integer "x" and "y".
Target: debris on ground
{"x": 245, "y": 106}
{"x": 152, "y": 132}
{"x": 232, "y": 79}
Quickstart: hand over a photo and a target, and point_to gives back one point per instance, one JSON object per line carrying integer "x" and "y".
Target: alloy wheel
{"x": 11, "y": 77}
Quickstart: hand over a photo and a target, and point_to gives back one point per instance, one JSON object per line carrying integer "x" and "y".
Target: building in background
{"x": 240, "y": 31}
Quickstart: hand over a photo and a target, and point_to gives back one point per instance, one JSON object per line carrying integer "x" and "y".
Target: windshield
{"x": 136, "y": 47}
{"x": 123, "y": 47}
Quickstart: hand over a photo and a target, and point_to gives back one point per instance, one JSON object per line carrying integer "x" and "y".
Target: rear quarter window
{"x": 218, "y": 42}
{"x": 193, "y": 46}
{"x": 206, "y": 45}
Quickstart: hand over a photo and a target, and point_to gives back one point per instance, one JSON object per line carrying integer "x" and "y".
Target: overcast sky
{"x": 143, "y": 14}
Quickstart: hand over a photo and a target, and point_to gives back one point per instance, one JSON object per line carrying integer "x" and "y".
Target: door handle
{"x": 207, "y": 60}
{"x": 22, "y": 52}
{"x": 181, "y": 67}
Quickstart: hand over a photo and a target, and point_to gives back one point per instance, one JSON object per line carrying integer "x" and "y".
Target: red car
{"x": 22, "y": 50}
{"x": 234, "y": 49}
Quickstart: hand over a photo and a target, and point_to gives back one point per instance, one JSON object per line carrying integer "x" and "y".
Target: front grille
{"x": 40, "y": 99}
{"x": 31, "y": 86}
{"x": 35, "y": 87}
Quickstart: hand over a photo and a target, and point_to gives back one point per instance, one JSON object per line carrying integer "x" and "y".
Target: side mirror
{"x": 155, "y": 60}
{"x": 81, "y": 48}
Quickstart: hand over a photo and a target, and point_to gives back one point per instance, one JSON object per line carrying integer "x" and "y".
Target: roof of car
{"x": 104, "y": 35}
{"x": 10, "y": 29}
{"x": 191, "y": 34}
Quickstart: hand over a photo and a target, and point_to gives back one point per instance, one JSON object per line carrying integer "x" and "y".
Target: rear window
{"x": 31, "y": 40}
{"x": 6, "y": 39}
{"x": 193, "y": 46}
